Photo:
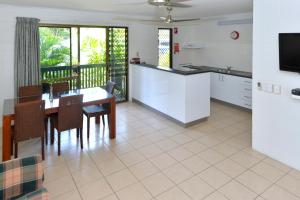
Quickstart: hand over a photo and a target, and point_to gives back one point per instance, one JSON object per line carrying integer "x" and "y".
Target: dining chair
{"x": 29, "y": 123}
{"x": 99, "y": 110}
{"x": 59, "y": 88}
{"x": 69, "y": 117}
{"x": 30, "y": 91}
{"x": 33, "y": 93}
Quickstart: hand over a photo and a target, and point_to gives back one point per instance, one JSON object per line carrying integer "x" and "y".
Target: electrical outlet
{"x": 277, "y": 89}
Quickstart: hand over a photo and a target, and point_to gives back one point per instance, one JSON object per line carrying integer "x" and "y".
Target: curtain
{"x": 27, "y": 53}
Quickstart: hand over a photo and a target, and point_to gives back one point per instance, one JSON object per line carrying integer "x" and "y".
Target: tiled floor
{"x": 153, "y": 158}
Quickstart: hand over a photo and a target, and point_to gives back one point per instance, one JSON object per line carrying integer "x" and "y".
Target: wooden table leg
{"x": 6, "y": 141}
{"x": 97, "y": 120}
{"x": 112, "y": 119}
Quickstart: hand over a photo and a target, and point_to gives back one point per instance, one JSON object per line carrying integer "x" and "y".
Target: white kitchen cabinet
{"x": 232, "y": 89}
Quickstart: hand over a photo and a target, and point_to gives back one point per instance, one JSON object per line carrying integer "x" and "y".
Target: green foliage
{"x": 95, "y": 48}
{"x": 53, "y": 51}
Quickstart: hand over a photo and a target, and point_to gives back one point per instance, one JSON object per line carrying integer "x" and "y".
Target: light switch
{"x": 277, "y": 89}
{"x": 267, "y": 87}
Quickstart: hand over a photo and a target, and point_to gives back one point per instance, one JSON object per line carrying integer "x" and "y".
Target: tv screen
{"x": 289, "y": 51}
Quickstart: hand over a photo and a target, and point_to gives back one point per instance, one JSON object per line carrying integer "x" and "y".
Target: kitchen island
{"x": 182, "y": 96}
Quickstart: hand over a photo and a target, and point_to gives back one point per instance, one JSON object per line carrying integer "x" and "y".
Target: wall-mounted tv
{"x": 289, "y": 51}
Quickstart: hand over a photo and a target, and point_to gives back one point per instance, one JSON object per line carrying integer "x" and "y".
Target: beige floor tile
{"x": 245, "y": 159}
{"x": 180, "y": 153}
{"x": 277, "y": 164}
{"x": 230, "y": 168}
{"x": 178, "y": 173}
{"x": 150, "y": 151}
{"x": 86, "y": 176}
{"x": 196, "y": 188}
{"x": 277, "y": 193}
{"x": 121, "y": 179}
{"x": 195, "y": 147}
{"x": 143, "y": 169}
{"x": 214, "y": 177}
{"x": 225, "y": 149}
{"x": 253, "y": 181}
{"x": 135, "y": 191}
{"x": 195, "y": 164}
{"x": 211, "y": 156}
{"x": 269, "y": 172}
{"x": 216, "y": 196}
{"x": 209, "y": 141}
{"x": 140, "y": 142}
{"x": 110, "y": 197}
{"x": 157, "y": 184}
{"x": 132, "y": 158}
{"x": 173, "y": 194}
{"x": 291, "y": 184}
{"x": 110, "y": 166}
{"x": 163, "y": 161}
{"x": 72, "y": 195}
{"x": 167, "y": 144}
{"x": 181, "y": 139}
{"x": 95, "y": 190}
{"x": 60, "y": 186}
{"x": 236, "y": 191}
{"x": 55, "y": 172}
{"x": 295, "y": 174}
{"x": 122, "y": 148}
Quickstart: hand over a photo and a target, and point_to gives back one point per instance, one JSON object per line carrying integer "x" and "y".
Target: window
{"x": 165, "y": 47}
{"x": 97, "y": 54}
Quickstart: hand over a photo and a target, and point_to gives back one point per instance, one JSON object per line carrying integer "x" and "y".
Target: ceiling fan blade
{"x": 186, "y": 20}
{"x": 135, "y": 19}
{"x": 178, "y": 5}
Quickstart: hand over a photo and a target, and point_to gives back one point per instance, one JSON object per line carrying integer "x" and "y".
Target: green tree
{"x": 96, "y": 50}
{"x": 54, "y": 46}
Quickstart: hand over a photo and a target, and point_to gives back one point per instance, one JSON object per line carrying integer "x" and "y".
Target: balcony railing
{"x": 88, "y": 76}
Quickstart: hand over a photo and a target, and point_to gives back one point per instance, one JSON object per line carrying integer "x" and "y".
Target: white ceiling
{"x": 201, "y": 8}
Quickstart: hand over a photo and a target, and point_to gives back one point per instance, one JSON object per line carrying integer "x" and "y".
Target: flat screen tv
{"x": 289, "y": 52}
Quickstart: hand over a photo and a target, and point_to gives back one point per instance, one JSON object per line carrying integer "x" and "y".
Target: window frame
{"x": 171, "y": 45}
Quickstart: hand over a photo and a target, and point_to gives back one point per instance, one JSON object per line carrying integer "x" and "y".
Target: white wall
{"x": 142, "y": 38}
{"x": 275, "y": 117}
{"x": 220, "y": 49}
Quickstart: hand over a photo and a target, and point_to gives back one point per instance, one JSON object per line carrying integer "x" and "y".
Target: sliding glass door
{"x": 97, "y": 54}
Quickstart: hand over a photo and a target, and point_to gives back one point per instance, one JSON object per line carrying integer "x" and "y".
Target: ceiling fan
{"x": 169, "y": 19}
{"x": 169, "y": 6}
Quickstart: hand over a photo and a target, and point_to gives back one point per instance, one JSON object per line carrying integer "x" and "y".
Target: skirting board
{"x": 185, "y": 125}
{"x": 229, "y": 104}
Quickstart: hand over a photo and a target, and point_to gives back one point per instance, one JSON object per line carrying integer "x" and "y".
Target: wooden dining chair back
{"x": 70, "y": 112}
{"x": 59, "y": 88}
{"x": 69, "y": 117}
{"x": 29, "y": 123}
{"x": 29, "y": 91}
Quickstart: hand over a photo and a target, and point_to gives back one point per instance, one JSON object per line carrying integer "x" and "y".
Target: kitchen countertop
{"x": 190, "y": 70}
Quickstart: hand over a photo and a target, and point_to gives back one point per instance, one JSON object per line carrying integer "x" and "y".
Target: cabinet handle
{"x": 247, "y": 97}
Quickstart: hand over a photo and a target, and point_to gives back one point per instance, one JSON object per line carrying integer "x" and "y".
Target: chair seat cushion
{"x": 94, "y": 110}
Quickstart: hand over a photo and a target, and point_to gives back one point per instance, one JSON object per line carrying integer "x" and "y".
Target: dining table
{"x": 91, "y": 96}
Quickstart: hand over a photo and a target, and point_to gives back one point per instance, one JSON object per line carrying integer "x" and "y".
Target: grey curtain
{"x": 27, "y": 53}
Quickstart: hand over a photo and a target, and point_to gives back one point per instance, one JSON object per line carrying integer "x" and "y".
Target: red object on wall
{"x": 175, "y": 30}
{"x": 176, "y": 48}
